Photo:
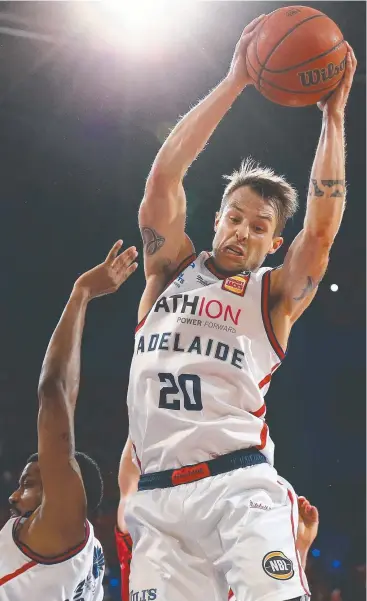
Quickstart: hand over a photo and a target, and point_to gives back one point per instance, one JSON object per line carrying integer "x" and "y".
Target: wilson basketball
{"x": 297, "y": 57}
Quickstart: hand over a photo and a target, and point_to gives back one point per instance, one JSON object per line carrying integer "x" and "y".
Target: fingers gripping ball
{"x": 297, "y": 57}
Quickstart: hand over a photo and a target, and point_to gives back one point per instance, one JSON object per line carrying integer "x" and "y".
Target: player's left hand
{"x": 336, "y": 102}
{"x": 308, "y": 523}
{"x": 109, "y": 275}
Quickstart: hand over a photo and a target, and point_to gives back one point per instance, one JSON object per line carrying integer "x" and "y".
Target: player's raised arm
{"x": 64, "y": 505}
{"x": 307, "y": 259}
{"x": 162, "y": 212}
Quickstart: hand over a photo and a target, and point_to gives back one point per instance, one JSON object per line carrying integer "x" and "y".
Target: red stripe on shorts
{"x": 259, "y": 412}
{"x": 24, "y": 568}
{"x": 263, "y": 437}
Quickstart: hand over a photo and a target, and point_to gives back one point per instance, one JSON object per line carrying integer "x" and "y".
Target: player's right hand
{"x": 335, "y": 103}
{"x": 238, "y": 70}
{"x": 109, "y": 275}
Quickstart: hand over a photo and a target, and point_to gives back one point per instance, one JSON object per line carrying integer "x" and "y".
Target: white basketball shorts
{"x": 193, "y": 541}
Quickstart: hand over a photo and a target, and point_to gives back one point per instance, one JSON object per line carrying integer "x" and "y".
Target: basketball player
{"x": 211, "y": 512}
{"x": 128, "y": 480}
{"x": 48, "y": 551}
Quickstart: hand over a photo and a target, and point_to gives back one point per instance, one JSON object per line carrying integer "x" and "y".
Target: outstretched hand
{"x": 109, "y": 275}
{"x": 336, "y": 102}
{"x": 238, "y": 69}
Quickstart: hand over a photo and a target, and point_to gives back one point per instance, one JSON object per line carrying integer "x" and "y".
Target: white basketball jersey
{"x": 75, "y": 575}
{"x": 203, "y": 360}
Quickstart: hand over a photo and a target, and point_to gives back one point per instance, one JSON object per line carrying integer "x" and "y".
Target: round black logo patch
{"x": 278, "y": 566}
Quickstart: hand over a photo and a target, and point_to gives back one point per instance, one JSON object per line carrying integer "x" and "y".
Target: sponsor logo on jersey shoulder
{"x": 180, "y": 278}
{"x": 278, "y": 566}
{"x": 236, "y": 284}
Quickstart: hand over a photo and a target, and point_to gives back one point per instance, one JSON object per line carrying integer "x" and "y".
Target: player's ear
{"x": 276, "y": 243}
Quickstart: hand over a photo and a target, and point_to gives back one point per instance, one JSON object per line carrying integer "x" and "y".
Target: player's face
{"x": 244, "y": 232}
{"x": 28, "y": 495}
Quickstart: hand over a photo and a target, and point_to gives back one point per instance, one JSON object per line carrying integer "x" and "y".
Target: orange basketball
{"x": 297, "y": 57}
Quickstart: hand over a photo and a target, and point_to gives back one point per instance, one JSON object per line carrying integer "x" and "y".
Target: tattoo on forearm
{"x": 317, "y": 191}
{"x": 337, "y": 194}
{"x": 328, "y": 183}
{"x": 332, "y": 182}
{"x": 310, "y": 285}
{"x": 152, "y": 241}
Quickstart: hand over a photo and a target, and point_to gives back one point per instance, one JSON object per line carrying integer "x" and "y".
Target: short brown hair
{"x": 271, "y": 187}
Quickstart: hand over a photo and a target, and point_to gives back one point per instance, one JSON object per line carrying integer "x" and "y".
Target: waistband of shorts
{"x": 199, "y": 471}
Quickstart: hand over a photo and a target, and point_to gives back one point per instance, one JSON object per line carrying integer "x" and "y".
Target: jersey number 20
{"x": 190, "y": 387}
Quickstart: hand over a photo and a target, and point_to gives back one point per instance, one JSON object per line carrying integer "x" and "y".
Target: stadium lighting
{"x": 134, "y": 24}
{"x": 334, "y": 287}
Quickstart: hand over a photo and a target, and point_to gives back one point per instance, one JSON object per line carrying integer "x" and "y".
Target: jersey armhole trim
{"x": 18, "y": 572}
{"x": 265, "y": 312}
{"x": 185, "y": 263}
{"x": 55, "y": 558}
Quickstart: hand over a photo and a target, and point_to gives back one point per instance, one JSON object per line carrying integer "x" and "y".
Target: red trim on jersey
{"x": 265, "y": 291}
{"x": 141, "y": 323}
{"x": 182, "y": 266}
{"x": 210, "y": 265}
{"x": 263, "y": 437}
{"x": 230, "y": 594}
{"x": 259, "y": 412}
{"x": 55, "y": 558}
{"x": 268, "y": 377}
{"x": 124, "y": 548}
{"x": 300, "y": 569}
{"x": 17, "y": 572}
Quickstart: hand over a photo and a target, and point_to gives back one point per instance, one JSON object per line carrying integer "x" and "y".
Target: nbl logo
{"x": 278, "y": 566}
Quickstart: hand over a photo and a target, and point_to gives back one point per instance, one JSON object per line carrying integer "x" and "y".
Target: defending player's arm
{"x": 294, "y": 285}
{"x": 162, "y": 212}
{"x": 63, "y": 510}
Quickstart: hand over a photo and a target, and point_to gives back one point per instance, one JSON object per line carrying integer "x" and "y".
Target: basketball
{"x": 297, "y": 57}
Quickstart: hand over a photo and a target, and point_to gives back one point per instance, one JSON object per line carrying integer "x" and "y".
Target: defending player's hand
{"x": 308, "y": 523}
{"x": 238, "y": 70}
{"x": 336, "y": 103}
{"x": 109, "y": 275}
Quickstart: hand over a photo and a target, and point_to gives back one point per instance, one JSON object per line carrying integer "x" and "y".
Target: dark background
{"x": 81, "y": 120}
